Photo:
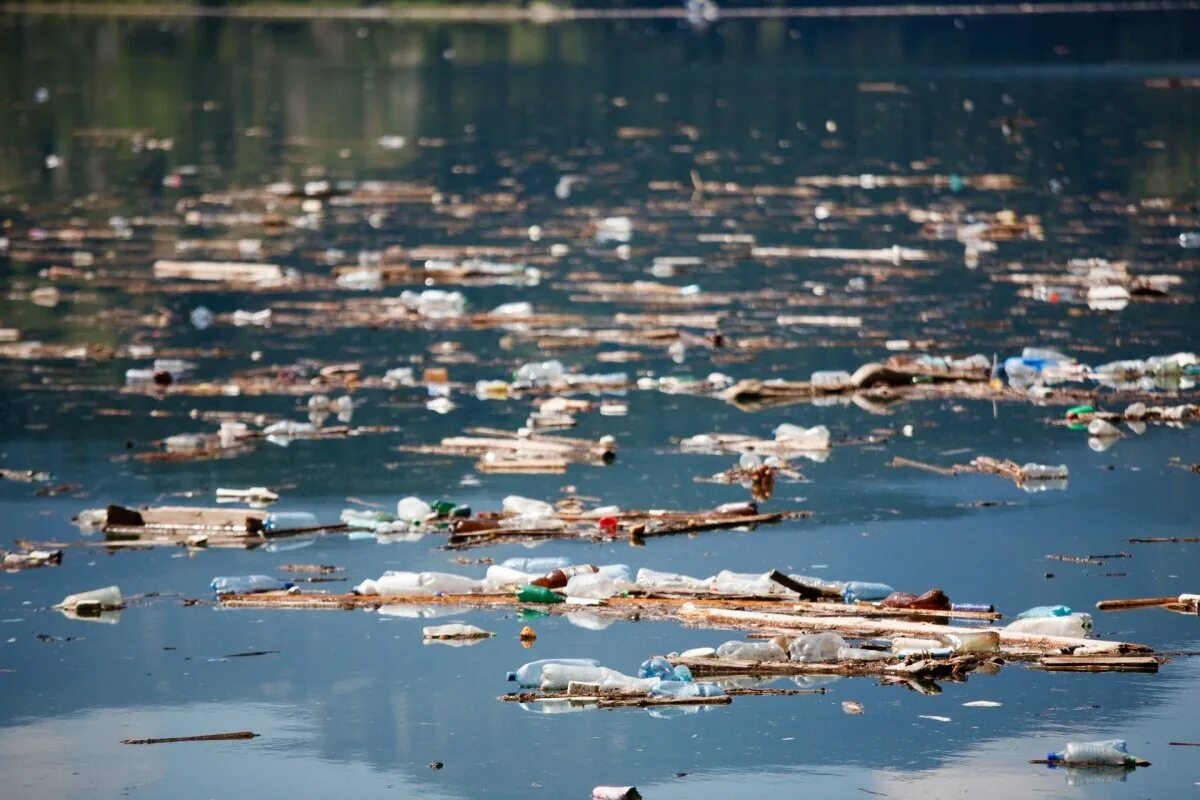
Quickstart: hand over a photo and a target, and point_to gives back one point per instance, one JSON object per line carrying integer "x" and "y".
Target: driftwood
{"x": 505, "y": 451}
{"x": 983, "y": 465}
{"x": 184, "y": 526}
{"x": 922, "y": 668}
{"x": 1099, "y": 663}
{"x": 1013, "y": 644}
{"x": 615, "y": 700}
{"x": 210, "y": 737}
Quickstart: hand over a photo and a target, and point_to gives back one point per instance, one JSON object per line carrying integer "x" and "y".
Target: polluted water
{"x": 785, "y": 403}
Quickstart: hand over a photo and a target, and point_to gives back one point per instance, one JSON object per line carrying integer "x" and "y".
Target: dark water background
{"x": 354, "y": 704}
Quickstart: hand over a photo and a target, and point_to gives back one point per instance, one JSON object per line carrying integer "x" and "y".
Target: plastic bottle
{"x": 249, "y": 584}
{"x": 1075, "y": 625}
{"x": 815, "y": 438}
{"x": 816, "y": 647}
{"x": 591, "y": 586}
{"x": 539, "y": 566}
{"x": 741, "y": 583}
{"x": 669, "y": 688}
{"x": 501, "y": 576}
{"x": 699, "y": 652}
{"x": 526, "y": 506}
{"x": 1045, "y": 472}
{"x": 530, "y": 674}
{"x": 739, "y": 509}
{"x": 752, "y": 651}
{"x": 288, "y": 520}
{"x": 1189, "y": 240}
{"x": 652, "y": 580}
{"x": 863, "y": 590}
{"x": 538, "y": 594}
{"x": 1111, "y": 752}
{"x": 557, "y": 677}
{"x": 1103, "y": 429}
{"x": 912, "y": 643}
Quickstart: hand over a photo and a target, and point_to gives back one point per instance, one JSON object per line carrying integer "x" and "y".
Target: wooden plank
{"x": 1100, "y": 663}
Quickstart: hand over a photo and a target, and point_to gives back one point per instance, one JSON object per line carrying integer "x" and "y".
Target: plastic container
{"x": 107, "y": 598}
{"x": 1103, "y": 429}
{"x": 249, "y": 584}
{"x": 558, "y": 578}
{"x": 530, "y": 674}
{"x": 816, "y": 647}
{"x": 659, "y": 667}
{"x": 752, "y": 651}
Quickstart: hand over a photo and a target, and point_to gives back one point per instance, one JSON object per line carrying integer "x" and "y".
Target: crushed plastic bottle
{"x": 413, "y": 509}
{"x": 98, "y": 599}
{"x": 861, "y": 654}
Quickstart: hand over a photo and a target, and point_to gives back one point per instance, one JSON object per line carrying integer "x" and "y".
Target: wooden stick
{"x": 1099, "y": 663}
{"x": 1136, "y": 602}
{"x": 211, "y": 737}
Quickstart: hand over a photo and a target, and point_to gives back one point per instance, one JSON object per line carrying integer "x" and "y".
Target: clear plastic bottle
{"x": 865, "y": 590}
{"x": 592, "y": 586}
{"x": 816, "y": 647}
{"x": 557, "y": 677}
{"x": 530, "y": 675}
{"x": 538, "y": 566}
{"x": 1075, "y": 626}
{"x": 109, "y": 597}
{"x": 741, "y": 583}
{"x": 752, "y": 651}
{"x": 1110, "y": 752}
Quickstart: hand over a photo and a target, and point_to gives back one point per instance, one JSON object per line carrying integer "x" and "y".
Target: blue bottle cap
{"x": 510, "y": 676}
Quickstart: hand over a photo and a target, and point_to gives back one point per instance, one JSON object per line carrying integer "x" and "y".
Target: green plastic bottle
{"x": 538, "y": 594}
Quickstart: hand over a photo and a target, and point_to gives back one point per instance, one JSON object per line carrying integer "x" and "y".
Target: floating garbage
{"x": 456, "y": 630}
{"x": 93, "y": 602}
